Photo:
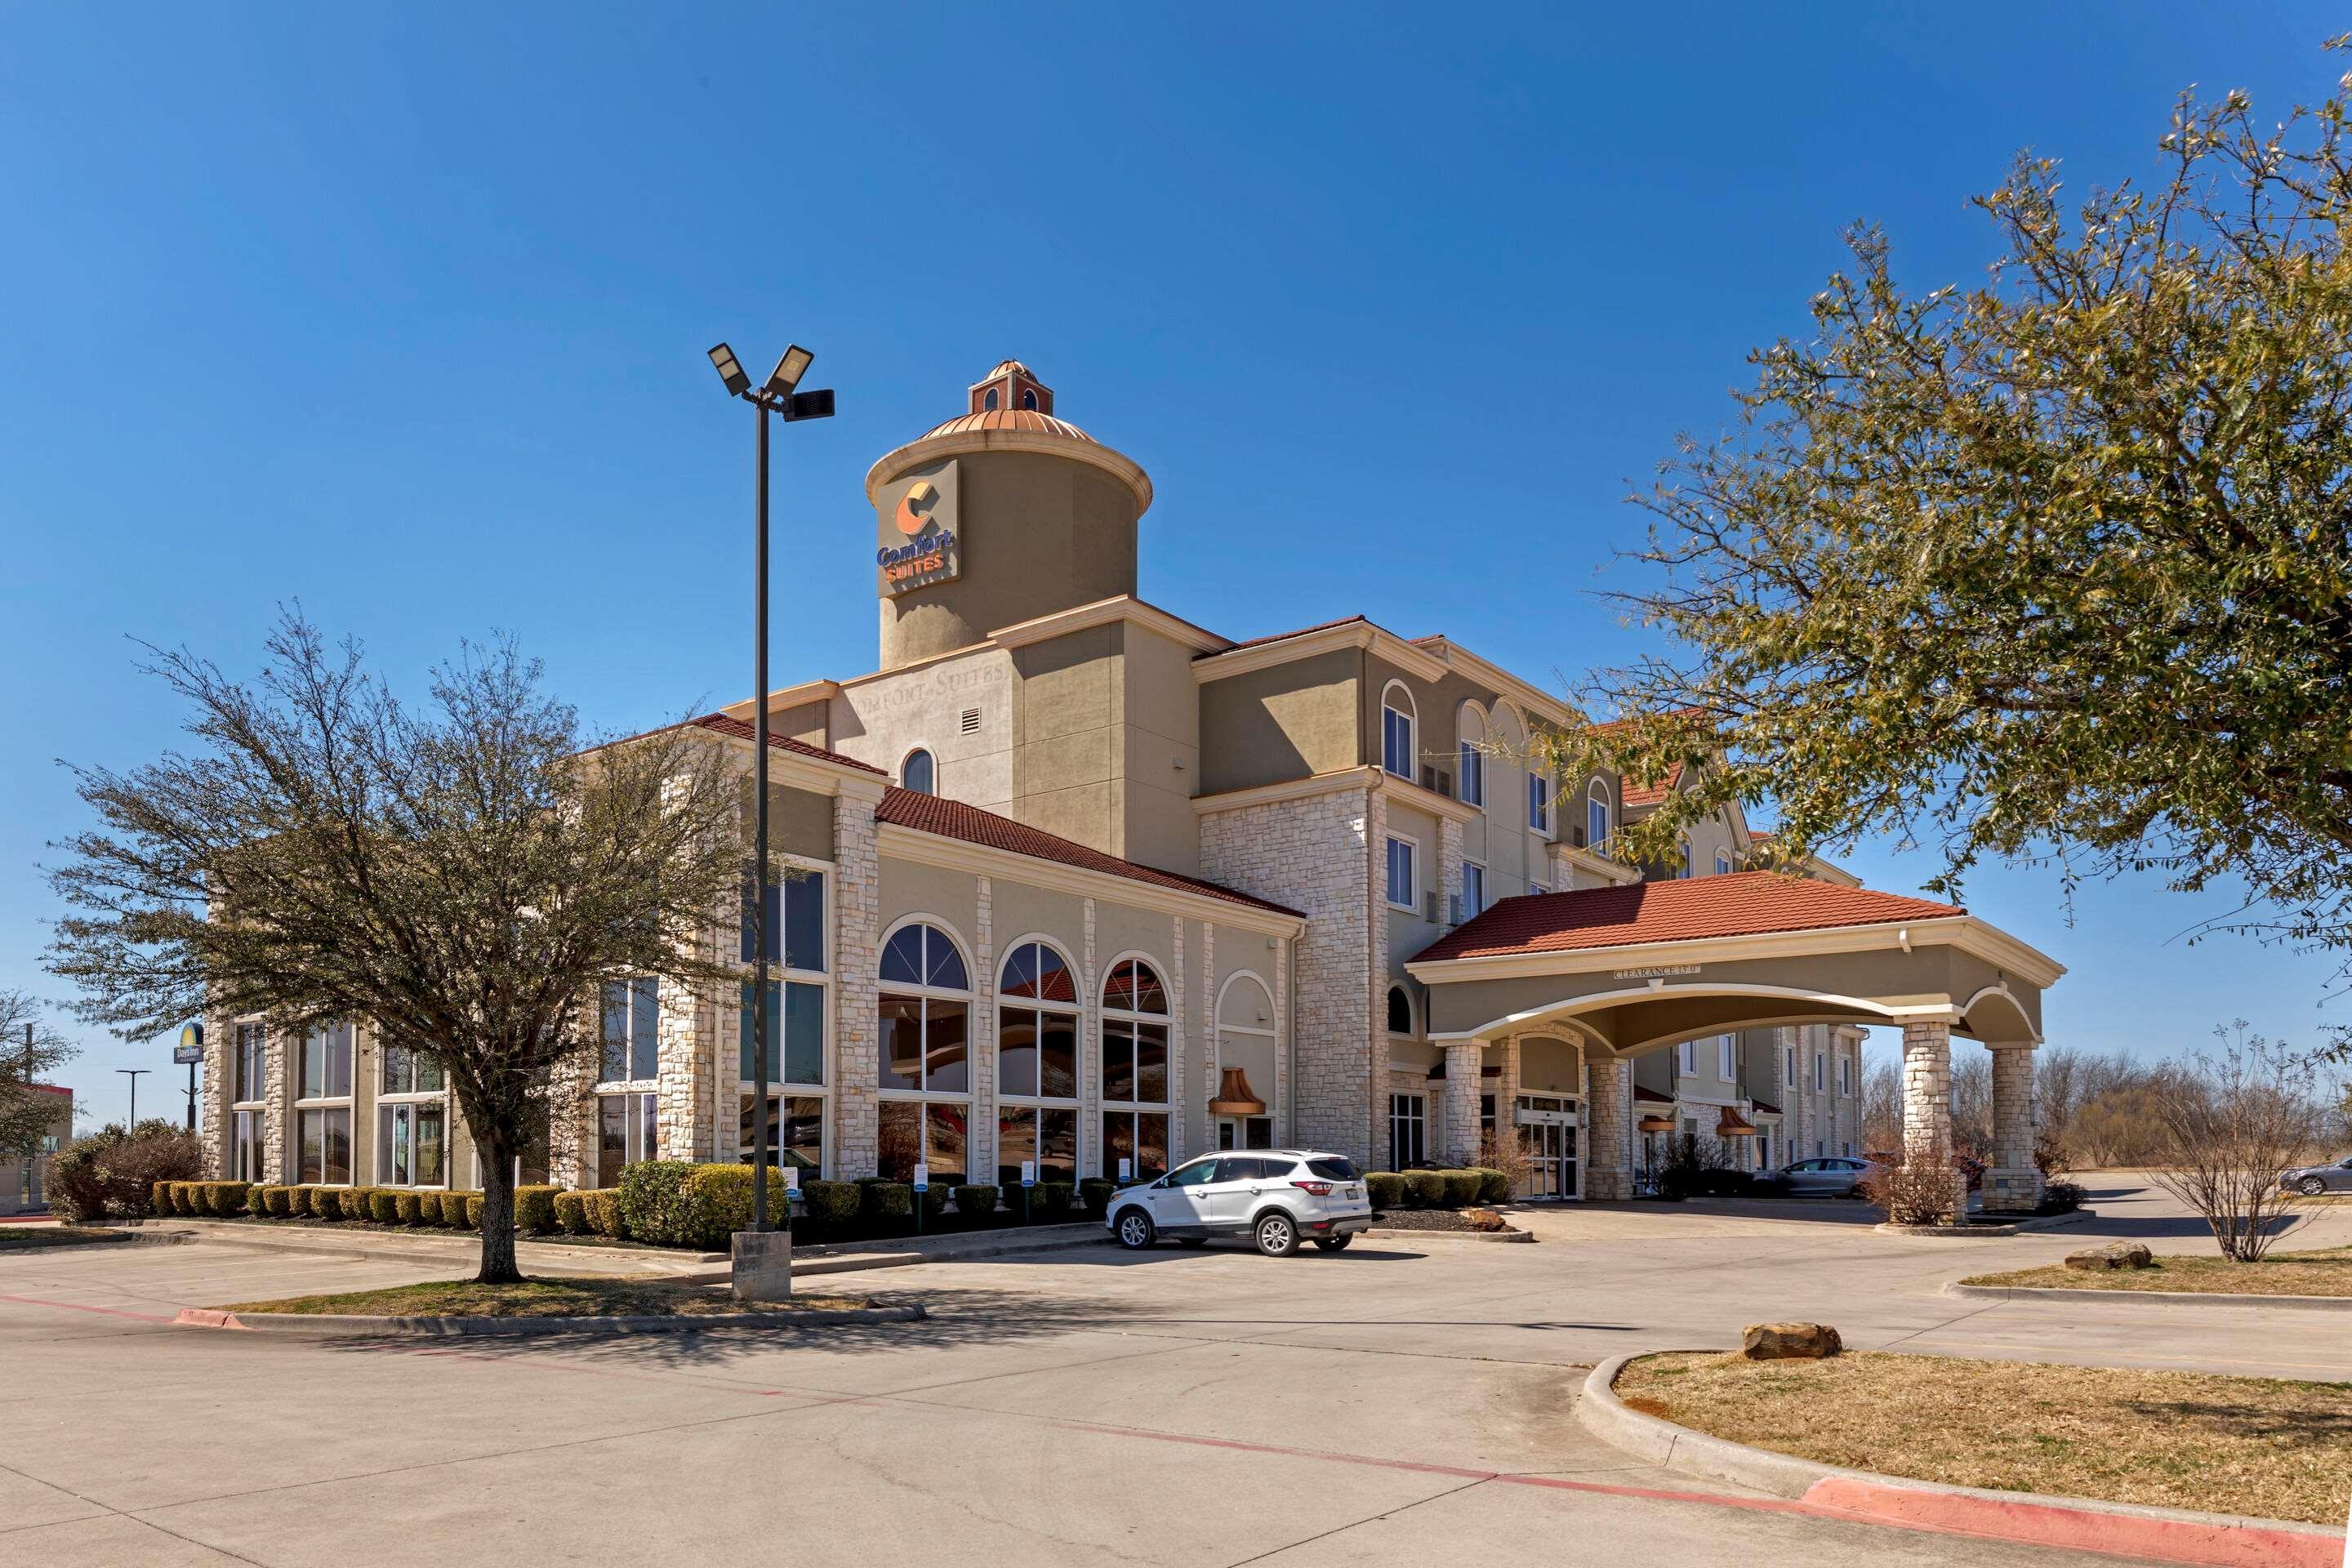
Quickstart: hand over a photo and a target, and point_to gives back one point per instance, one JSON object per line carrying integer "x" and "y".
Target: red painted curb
{"x": 206, "y": 1318}
{"x": 2039, "y": 1524}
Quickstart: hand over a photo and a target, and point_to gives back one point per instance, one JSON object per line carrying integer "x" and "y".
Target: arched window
{"x": 1134, "y": 1071}
{"x": 1028, "y": 397}
{"x": 1471, "y": 763}
{"x": 988, "y": 401}
{"x": 1245, "y": 1042}
{"x": 1596, "y": 816}
{"x": 1037, "y": 1066}
{"x": 1400, "y": 1011}
{"x": 924, "y": 1060}
{"x": 1540, "y": 795}
{"x": 919, "y": 774}
{"x": 1398, "y": 754}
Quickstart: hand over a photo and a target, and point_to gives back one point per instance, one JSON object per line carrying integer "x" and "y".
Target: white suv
{"x": 1277, "y": 1197}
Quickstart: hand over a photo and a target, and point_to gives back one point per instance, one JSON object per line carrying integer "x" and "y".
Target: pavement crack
{"x": 1356, "y": 1523}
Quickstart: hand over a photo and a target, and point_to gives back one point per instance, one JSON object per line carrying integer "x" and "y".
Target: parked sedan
{"x": 2313, "y": 1180}
{"x": 1831, "y": 1176}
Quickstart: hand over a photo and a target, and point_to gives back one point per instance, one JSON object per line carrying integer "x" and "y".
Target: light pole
{"x": 134, "y": 1074}
{"x": 776, "y": 396}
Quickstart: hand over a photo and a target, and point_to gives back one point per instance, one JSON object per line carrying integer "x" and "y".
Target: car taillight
{"x": 1320, "y": 1189}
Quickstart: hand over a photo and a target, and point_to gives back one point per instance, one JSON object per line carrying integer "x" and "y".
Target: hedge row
{"x": 1437, "y": 1189}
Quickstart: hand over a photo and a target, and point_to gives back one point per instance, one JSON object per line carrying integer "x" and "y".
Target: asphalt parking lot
{"x": 1402, "y": 1402}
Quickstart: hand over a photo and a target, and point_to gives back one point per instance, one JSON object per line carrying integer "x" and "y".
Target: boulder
{"x": 1482, "y": 1219}
{"x": 1789, "y": 1341}
{"x": 2112, "y": 1255}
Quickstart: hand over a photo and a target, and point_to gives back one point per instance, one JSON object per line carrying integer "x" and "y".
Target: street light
{"x": 134, "y": 1074}
{"x": 777, "y": 397}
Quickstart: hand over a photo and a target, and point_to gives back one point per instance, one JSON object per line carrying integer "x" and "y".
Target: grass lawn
{"x": 31, "y": 1238}
{"x": 557, "y": 1297}
{"x": 2328, "y": 1272}
{"x": 2265, "y": 1446}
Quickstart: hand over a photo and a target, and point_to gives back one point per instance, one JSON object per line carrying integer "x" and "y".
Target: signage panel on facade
{"x": 918, "y": 529}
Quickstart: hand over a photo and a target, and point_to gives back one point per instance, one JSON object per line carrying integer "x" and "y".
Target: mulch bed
{"x": 1422, "y": 1219}
{"x": 32, "y": 1238}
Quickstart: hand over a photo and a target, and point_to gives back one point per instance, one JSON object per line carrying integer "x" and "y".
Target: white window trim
{"x": 1686, "y": 1059}
{"x": 1549, "y": 829}
{"x": 344, "y": 1102}
{"x": 448, "y": 1143}
{"x": 1411, "y": 712}
{"x": 1269, "y": 1031}
{"x": 908, "y": 755}
{"x": 1467, "y": 751}
{"x": 1484, "y": 897}
{"x": 1725, "y": 1059}
{"x": 1722, "y": 864}
{"x": 1412, "y": 905}
{"x": 1075, "y": 1011}
{"x": 929, "y": 994}
{"x": 1106, "y": 1015}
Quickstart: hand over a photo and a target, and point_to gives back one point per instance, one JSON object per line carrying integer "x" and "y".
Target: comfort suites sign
{"x": 918, "y": 529}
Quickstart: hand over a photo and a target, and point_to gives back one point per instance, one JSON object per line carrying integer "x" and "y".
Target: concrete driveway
{"x": 1395, "y": 1403}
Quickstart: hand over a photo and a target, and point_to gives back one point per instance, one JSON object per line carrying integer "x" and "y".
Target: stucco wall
{"x": 1285, "y": 721}
{"x": 878, "y": 721}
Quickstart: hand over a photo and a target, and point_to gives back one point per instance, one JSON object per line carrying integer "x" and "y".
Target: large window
{"x": 1037, "y": 1066}
{"x": 795, "y": 918}
{"x": 322, "y": 1109}
{"x": 1403, "y": 883}
{"x": 1596, "y": 816}
{"x": 250, "y": 1120}
{"x": 925, "y": 1057}
{"x": 1472, "y": 765}
{"x": 1474, "y": 889}
{"x": 795, "y": 1132}
{"x": 631, "y": 1030}
{"x": 1245, "y": 1040}
{"x": 793, "y": 1021}
{"x": 1397, "y": 753}
{"x": 1134, "y": 1071}
{"x": 627, "y": 1130}
{"x": 1408, "y": 1130}
{"x": 1539, "y": 794}
{"x": 412, "y": 1119}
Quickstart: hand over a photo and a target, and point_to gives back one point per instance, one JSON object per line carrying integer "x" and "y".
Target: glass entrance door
{"x": 1548, "y": 1132}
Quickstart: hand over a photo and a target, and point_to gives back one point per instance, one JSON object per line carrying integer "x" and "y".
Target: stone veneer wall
{"x": 1608, "y": 1119}
{"x": 1316, "y": 853}
{"x": 856, "y": 957}
{"x": 214, "y": 1123}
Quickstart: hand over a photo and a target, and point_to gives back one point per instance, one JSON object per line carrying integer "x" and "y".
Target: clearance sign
{"x": 919, "y": 532}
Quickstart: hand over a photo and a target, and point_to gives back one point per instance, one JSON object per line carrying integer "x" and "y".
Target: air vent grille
{"x": 970, "y": 723}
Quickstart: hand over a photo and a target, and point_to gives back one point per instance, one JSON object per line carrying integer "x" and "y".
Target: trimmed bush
{"x": 934, "y": 1202}
{"x": 1386, "y": 1189}
{"x": 886, "y": 1204}
{"x": 976, "y": 1203}
{"x": 257, "y": 1200}
{"x": 428, "y": 1206}
{"x": 1049, "y": 1202}
{"x": 473, "y": 1210}
{"x": 405, "y": 1207}
{"x": 571, "y": 1212}
{"x": 354, "y": 1202}
{"x": 159, "y": 1197}
{"x": 1095, "y": 1192}
{"x": 383, "y": 1205}
{"x": 298, "y": 1203}
{"x": 714, "y": 1201}
{"x": 1461, "y": 1187}
{"x": 832, "y": 1204}
{"x": 652, "y": 1199}
{"x": 327, "y": 1203}
{"x": 1494, "y": 1186}
{"x": 229, "y": 1198}
{"x": 1424, "y": 1189}
{"x": 604, "y": 1213}
{"x": 535, "y": 1210}
{"x": 277, "y": 1200}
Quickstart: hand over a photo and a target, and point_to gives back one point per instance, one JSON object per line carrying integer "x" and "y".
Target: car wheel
{"x": 1135, "y": 1231}
{"x": 2311, "y": 1186}
{"x": 1277, "y": 1234}
{"x": 1334, "y": 1243}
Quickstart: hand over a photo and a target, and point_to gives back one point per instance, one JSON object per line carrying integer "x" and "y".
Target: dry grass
{"x": 2328, "y": 1272}
{"x": 2265, "y": 1446}
{"x": 547, "y": 1298}
{"x": 32, "y": 1237}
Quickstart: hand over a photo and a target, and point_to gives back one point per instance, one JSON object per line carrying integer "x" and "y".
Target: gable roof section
{"x": 1741, "y": 903}
{"x": 727, "y": 724}
{"x": 1281, "y": 636}
{"x": 953, "y": 819}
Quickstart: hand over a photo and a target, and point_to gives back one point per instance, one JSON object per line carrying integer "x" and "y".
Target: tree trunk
{"x": 498, "y": 1267}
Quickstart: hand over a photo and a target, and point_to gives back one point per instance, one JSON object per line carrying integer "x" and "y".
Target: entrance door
{"x": 1548, "y": 1132}
{"x": 1245, "y": 1132}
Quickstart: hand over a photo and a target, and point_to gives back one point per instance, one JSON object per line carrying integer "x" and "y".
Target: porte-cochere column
{"x": 1927, "y": 1101}
{"x": 1608, "y": 1137}
{"x": 1464, "y": 1062}
{"x": 2013, "y": 1183}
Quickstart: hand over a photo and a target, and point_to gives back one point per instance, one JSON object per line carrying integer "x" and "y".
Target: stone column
{"x": 1927, "y": 1100}
{"x": 1463, "y": 1060}
{"x": 2013, "y": 1182}
{"x": 855, "y": 1070}
{"x": 1608, "y": 1135}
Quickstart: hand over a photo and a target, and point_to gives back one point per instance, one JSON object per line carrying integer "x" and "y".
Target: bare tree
{"x": 1972, "y": 1103}
{"x": 1882, "y": 1105}
{"x": 467, "y": 879}
{"x": 2234, "y": 1118}
{"x": 26, "y": 1113}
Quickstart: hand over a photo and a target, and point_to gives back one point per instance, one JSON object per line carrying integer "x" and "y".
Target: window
{"x": 794, "y": 1029}
{"x": 1685, "y": 1062}
{"x": 988, "y": 401}
{"x": 1682, "y": 871}
{"x": 1722, "y": 864}
{"x": 795, "y": 1132}
{"x": 1473, "y": 889}
{"x": 632, "y": 1034}
{"x": 1596, "y": 816}
{"x": 918, "y": 774}
{"x": 1029, "y": 397}
{"x": 408, "y": 1070}
{"x": 1538, "y": 889}
{"x": 323, "y": 1131}
{"x": 795, "y": 923}
{"x": 1540, "y": 803}
{"x": 793, "y": 1021}
{"x": 1763, "y": 1149}
{"x": 1471, "y": 767}
{"x": 1408, "y": 1130}
{"x": 1845, "y": 1077}
{"x": 1403, "y": 886}
{"x": 1725, "y": 1066}
{"x": 1245, "y": 1040}
{"x": 1134, "y": 1071}
{"x": 412, "y": 1119}
{"x": 248, "y": 1122}
{"x": 326, "y": 1064}
{"x": 1789, "y": 1078}
{"x": 1821, "y": 1072}
{"x": 627, "y": 1130}
{"x": 1400, "y": 1011}
{"x": 1037, "y": 1066}
{"x": 925, "y": 1068}
{"x": 1397, "y": 750}
{"x": 252, "y": 1064}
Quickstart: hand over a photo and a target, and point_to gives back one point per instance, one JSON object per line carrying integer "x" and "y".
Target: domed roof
{"x": 1026, "y": 420}
{"x": 1008, "y": 365}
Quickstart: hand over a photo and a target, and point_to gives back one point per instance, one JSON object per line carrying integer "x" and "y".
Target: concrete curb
{"x": 2169, "y": 1298}
{"x": 163, "y": 1238}
{"x": 317, "y": 1325}
{"x": 856, "y": 1262}
{"x": 1385, "y": 1233}
{"x": 1962, "y": 1232}
{"x": 2084, "y": 1524}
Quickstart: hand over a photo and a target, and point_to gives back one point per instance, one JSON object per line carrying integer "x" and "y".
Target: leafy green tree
{"x": 27, "y": 1113}
{"x": 466, "y": 877}
{"x": 2057, "y": 569}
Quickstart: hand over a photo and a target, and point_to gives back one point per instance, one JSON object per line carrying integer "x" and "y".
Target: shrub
{"x": 571, "y": 1212}
{"x": 354, "y": 1202}
{"x": 1095, "y": 1192}
{"x": 326, "y": 1203}
{"x": 1386, "y": 1189}
{"x": 428, "y": 1207}
{"x": 159, "y": 1197}
{"x": 1494, "y": 1186}
{"x": 405, "y": 1207}
{"x": 604, "y": 1207}
{"x": 226, "y": 1198}
{"x": 535, "y": 1210}
{"x": 652, "y": 1196}
{"x": 474, "y": 1201}
{"x": 279, "y": 1201}
{"x": 2060, "y": 1197}
{"x": 713, "y": 1203}
{"x": 256, "y": 1199}
{"x": 884, "y": 1205}
{"x": 932, "y": 1201}
{"x": 1917, "y": 1191}
{"x": 976, "y": 1203}
{"x": 1461, "y": 1187}
{"x": 298, "y": 1203}
{"x": 832, "y": 1204}
{"x": 113, "y": 1173}
{"x": 1049, "y": 1202}
{"x": 1424, "y": 1189}
{"x": 383, "y": 1205}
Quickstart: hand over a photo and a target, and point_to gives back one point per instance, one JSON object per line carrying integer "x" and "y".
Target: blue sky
{"x": 402, "y": 314}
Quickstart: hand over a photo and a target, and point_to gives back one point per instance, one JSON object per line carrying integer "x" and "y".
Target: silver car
{"x": 2311, "y": 1180}
{"x": 1831, "y": 1176}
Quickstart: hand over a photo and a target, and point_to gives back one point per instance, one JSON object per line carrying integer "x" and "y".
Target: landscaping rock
{"x": 1483, "y": 1219}
{"x": 2112, "y": 1255}
{"x": 1789, "y": 1341}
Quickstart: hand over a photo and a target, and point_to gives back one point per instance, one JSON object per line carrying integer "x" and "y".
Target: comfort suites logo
{"x": 919, "y": 539}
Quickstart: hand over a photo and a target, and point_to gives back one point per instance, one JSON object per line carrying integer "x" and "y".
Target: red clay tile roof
{"x": 1741, "y": 903}
{"x": 1281, "y": 636}
{"x": 1026, "y": 420}
{"x": 1652, "y": 1096}
{"x": 954, "y": 819}
{"x": 1764, "y": 1107}
{"x": 1648, "y": 792}
{"x": 741, "y": 730}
